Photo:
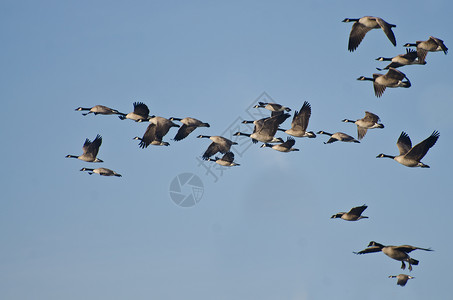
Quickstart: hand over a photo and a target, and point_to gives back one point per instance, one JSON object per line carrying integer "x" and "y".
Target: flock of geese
{"x": 266, "y": 128}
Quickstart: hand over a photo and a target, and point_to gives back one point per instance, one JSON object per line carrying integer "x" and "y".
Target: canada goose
{"x": 265, "y": 129}
{"x": 219, "y": 144}
{"x": 370, "y": 121}
{"x": 353, "y": 215}
{"x": 227, "y": 160}
{"x": 153, "y": 135}
{"x": 275, "y": 108}
{"x": 411, "y": 156}
{"x": 188, "y": 125}
{"x": 338, "y": 136}
{"x": 98, "y": 109}
{"x": 90, "y": 150}
{"x": 140, "y": 113}
{"x": 101, "y": 171}
{"x": 300, "y": 123}
{"x": 431, "y": 45}
{"x": 365, "y": 24}
{"x": 410, "y": 58}
{"x": 399, "y": 253}
{"x": 402, "y": 279}
{"x": 283, "y": 147}
{"x": 392, "y": 79}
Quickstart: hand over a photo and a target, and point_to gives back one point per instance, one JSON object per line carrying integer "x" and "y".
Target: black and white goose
{"x": 275, "y": 108}
{"x": 155, "y": 132}
{"x": 430, "y": 45}
{"x": 370, "y": 121}
{"x": 353, "y": 215}
{"x": 101, "y": 171}
{"x": 411, "y": 156}
{"x": 99, "y": 110}
{"x": 410, "y": 58}
{"x": 399, "y": 253}
{"x": 300, "y": 123}
{"x": 90, "y": 150}
{"x": 140, "y": 113}
{"x": 283, "y": 147}
{"x": 265, "y": 129}
{"x": 401, "y": 279}
{"x": 392, "y": 79}
{"x": 219, "y": 144}
{"x": 365, "y": 24}
{"x": 188, "y": 126}
{"x": 227, "y": 160}
{"x": 338, "y": 136}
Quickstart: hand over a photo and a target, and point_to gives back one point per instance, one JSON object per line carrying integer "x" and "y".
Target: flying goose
{"x": 411, "y": 156}
{"x": 353, "y": 215}
{"x": 370, "y": 121}
{"x": 275, "y": 108}
{"x": 140, "y": 113}
{"x": 338, "y": 136}
{"x": 99, "y": 109}
{"x": 399, "y": 253}
{"x": 410, "y": 58}
{"x": 392, "y": 79}
{"x": 188, "y": 125}
{"x": 365, "y": 24}
{"x": 227, "y": 160}
{"x": 300, "y": 123}
{"x": 101, "y": 171}
{"x": 90, "y": 150}
{"x": 156, "y": 130}
{"x": 283, "y": 147}
{"x": 219, "y": 144}
{"x": 431, "y": 45}
{"x": 402, "y": 279}
{"x": 265, "y": 129}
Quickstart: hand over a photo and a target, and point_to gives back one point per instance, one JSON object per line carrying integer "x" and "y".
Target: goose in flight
{"x": 399, "y": 253}
{"x": 227, "y": 160}
{"x": 431, "y": 45}
{"x": 265, "y": 129}
{"x": 275, "y": 108}
{"x": 188, "y": 126}
{"x": 283, "y": 147}
{"x": 101, "y": 171}
{"x": 401, "y": 279}
{"x": 99, "y": 110}
{"x": 410, "y": 58}
{"x": 363, "y": 25}
{"x": 219, "y": 144}
{"x": 370, "y": 121}
{"x": 155, "y": 132}
{"x": 338, "y": 136}
{"x": 353, "y": 215}
{"x": 90, "y": 150}
{"x": 411, "y": 156}
{"x": 392, "y": 79}
{"x": 140, "y": 113}
{"x": 300, "y": 123}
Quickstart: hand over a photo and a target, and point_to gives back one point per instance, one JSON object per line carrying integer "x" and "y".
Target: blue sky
{"x": 263, "y": 229}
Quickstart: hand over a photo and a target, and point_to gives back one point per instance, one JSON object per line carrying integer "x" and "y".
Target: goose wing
{"x": 379, "y": 89}
{"x": 269, "y": 126}
{"x": 301, "y": 118}
{"x": 361, "y": 132}
{"x": 357, "y": 211}
{"x": 92, "y": 148}
{"x": 289, "y": 143}
{"x": 183, "y": 132}
{"x": 410, "y": 54}
{"x": 419, "y": 151}
{"x": 404, "y": 143}
{"x": 228, "y": 157}
{"x": 358, "y": 32}
{"x": 370, "y": 117}
{"x": 141, "y": 109}
{"x": 409, "y": 248}
{"x": 369, "y": 250}
{"x": 149, "y": 136}
{"x": 212, "y": 149}
{"x": 440, "y": 43}
{"x": 395, "y": 74}
{"x": 387, "y": 29}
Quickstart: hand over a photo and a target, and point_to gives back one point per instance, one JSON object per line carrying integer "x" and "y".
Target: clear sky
{"x": 259, "y": 231}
